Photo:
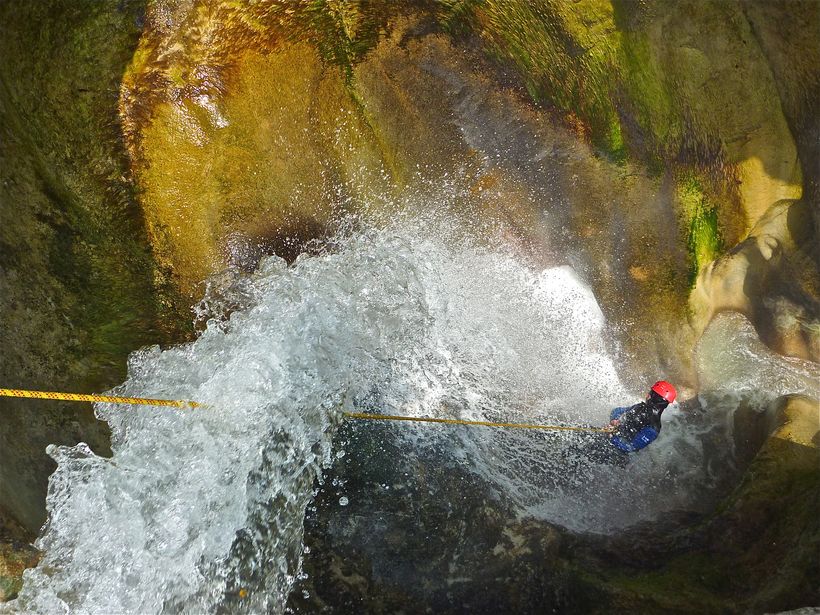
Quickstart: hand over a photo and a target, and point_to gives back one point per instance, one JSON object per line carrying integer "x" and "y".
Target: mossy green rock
{"x": 16, "y": 554}
{"x": 683, "y": 83}
{"x": 76, "y": 287}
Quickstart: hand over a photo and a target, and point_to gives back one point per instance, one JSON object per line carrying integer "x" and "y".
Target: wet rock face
{"x": 654, "y": 80}
{"x": 228, "y": 141}
{"x": 76, "y": 292}
{"x": 791, "y": 47}
{"x": 671, "y": 84}
{"x": 751, "y": 530}
{"x": 16, "y": 554}
{"x": 772, "y": 279}
{"x": 411, "y": 118}
{"x": 396, "y": 529}
{"x": 240, "y": 122}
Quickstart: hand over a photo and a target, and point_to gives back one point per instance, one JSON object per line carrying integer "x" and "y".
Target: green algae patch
{"x": 655, "y": 128}
{"x": 77, "y": 287}
{"x": 700, "y": 217}
{"x": 343, "y": 32}
{"x": 679, "y": 85}
{"x": 691, "y": 582}
{"x": 564, "y": 52}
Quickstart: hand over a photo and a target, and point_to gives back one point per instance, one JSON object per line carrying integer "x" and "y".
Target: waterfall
{"x": 202, "y": 509}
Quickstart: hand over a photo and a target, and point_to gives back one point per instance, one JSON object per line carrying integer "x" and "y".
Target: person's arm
{"x": 616, "y": 414}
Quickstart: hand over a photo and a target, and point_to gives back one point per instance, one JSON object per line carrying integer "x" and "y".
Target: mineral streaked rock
{"x": 800, "y": 422}
{"x": 771, "y": 278}
{"x": 16, "y": 554}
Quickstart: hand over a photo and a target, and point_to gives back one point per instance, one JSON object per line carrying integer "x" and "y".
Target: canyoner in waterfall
{"x": 634, "y": 427}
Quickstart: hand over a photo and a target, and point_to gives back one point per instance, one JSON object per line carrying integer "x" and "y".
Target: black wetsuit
{"x": 637, "y": 426}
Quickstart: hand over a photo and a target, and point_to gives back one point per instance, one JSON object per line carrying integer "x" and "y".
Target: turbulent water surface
{"x": 198, "y": 508}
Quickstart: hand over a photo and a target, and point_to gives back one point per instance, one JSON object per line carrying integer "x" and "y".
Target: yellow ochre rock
{"x": 800, "y": 421}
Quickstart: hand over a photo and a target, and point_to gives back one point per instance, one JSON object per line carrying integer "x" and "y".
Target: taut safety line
{"x": 137, "y": 401}
{"x": 142, "y": 401}
{"x": 424, "y": 419}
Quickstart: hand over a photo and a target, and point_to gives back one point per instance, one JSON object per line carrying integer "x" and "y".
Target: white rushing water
{"x": 694, "y": 461}
{"x": 199, "y": 507}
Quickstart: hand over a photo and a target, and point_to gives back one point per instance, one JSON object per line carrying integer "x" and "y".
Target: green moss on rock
{"x": 76, "y": 269}
{"x": 703, "y": 240}
{"x": 564, "y": 52}
{"x": 678, "y": 85}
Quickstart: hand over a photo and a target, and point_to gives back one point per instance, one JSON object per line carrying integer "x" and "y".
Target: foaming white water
{"x": 694, "y": 460}
{"x": 200, "y": 510}
{"x": 733, "y": 360}
{"x": 740, "y": 382}
{"x": 203, "y": 508}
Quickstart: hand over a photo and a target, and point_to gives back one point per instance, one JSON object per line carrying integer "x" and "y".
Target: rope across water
{"x": 144, "y": 401}
{"x": 424, "y": 419}
{"x": 137, "y": 401}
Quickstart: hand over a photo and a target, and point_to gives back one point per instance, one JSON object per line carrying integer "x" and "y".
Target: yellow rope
{"x": 141, "y": 401}
{"x": 387, "y": 417}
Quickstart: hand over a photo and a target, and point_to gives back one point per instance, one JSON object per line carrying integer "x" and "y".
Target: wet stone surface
{"x": 421, "y": 533}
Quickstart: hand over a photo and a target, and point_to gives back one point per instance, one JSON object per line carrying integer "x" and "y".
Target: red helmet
{"x": 665, "y": 390}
